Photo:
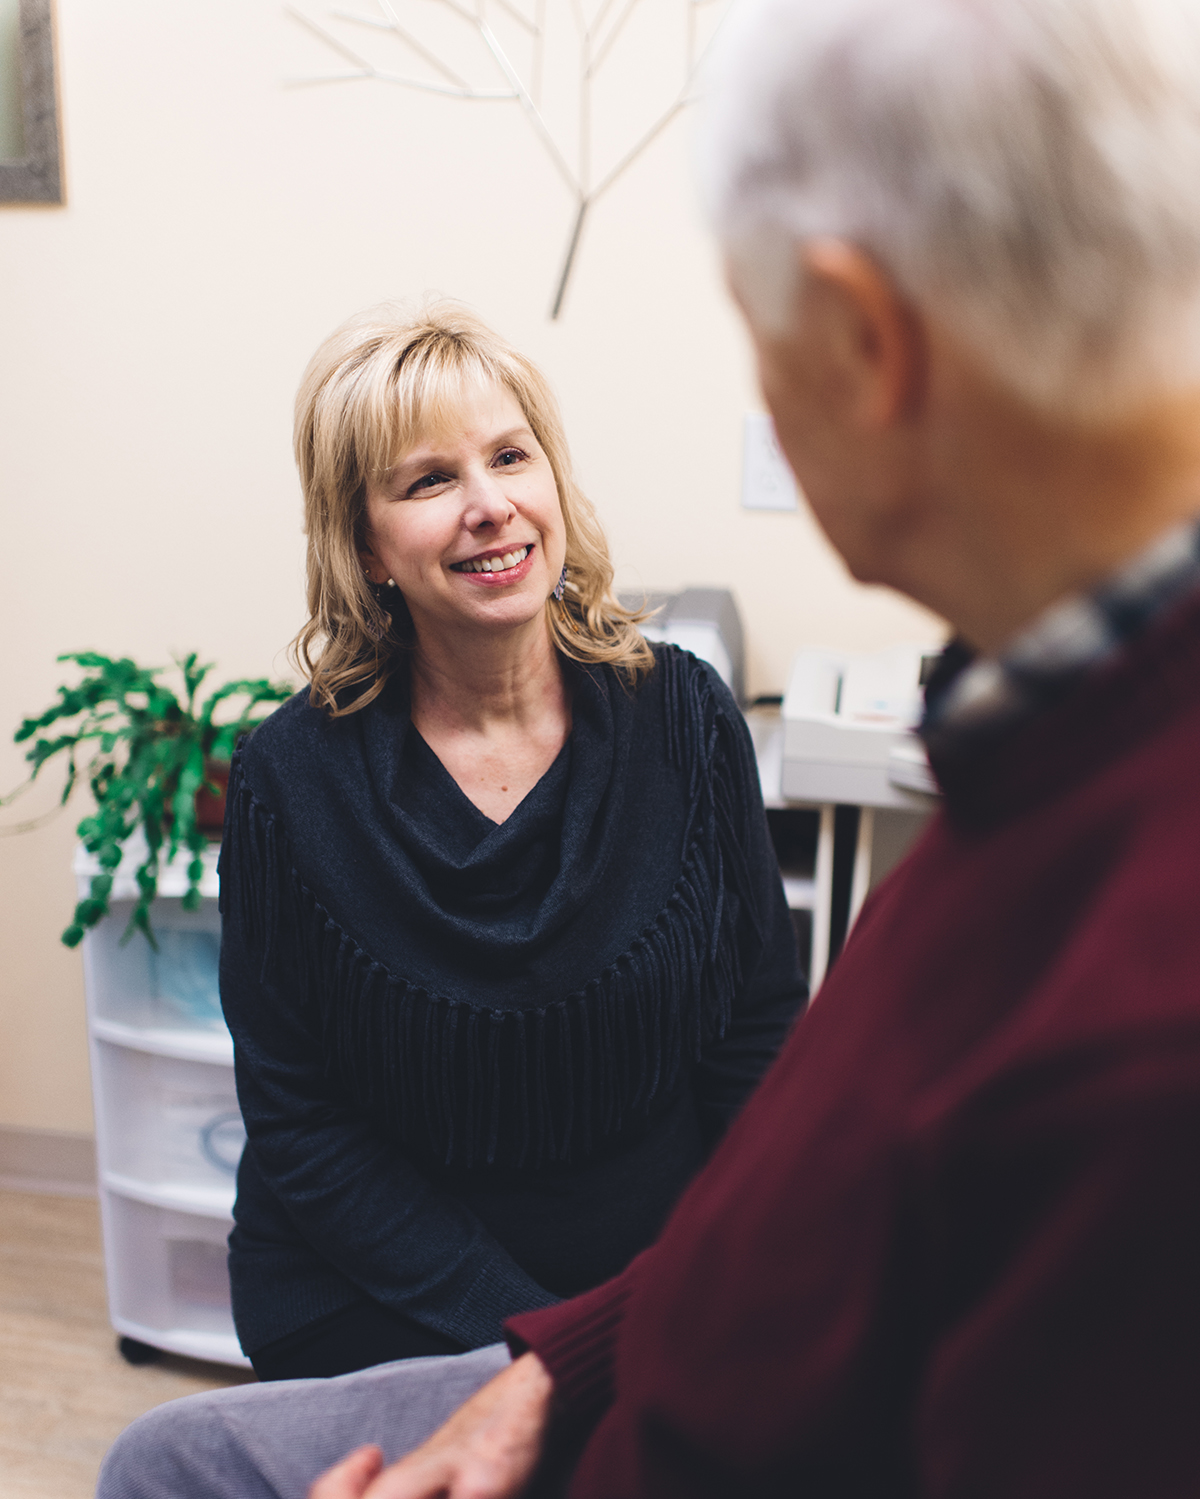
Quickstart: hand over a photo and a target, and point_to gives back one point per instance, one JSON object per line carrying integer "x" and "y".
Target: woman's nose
{"x": 486, "y": 503}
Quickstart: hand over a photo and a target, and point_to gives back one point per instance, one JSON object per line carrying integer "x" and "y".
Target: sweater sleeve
{"x": 1059, "y": 1236}
{"x": 773, "y": 990}
{"x": 576, "y": 1341}
{"x": 355, "y": 1199}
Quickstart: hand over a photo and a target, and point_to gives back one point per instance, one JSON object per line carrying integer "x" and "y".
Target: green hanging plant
{"x": 145, "y": 754}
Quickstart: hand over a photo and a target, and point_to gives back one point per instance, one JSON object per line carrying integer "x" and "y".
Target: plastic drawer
{"x": 169, "y": 1122}
{"x": 168, "y": 1270}
{"x": 174, "y": 987}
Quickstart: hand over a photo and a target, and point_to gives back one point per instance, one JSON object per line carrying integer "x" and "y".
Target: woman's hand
{"x": 488, "y": 1449}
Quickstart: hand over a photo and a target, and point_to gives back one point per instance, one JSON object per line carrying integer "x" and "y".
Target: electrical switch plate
{"x": 767, "y": 481}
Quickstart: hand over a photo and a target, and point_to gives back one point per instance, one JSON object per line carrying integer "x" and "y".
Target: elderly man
{"x": 952, "y": 1245}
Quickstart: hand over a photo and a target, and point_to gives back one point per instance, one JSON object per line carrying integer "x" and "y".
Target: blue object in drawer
{"x": 185, "y": 974}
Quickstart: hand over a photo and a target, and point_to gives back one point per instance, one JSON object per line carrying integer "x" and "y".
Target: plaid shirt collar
{"x": 971, "y": 698}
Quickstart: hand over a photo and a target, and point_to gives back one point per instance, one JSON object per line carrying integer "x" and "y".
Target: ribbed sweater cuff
{"x": 489, "y": 1293}
{"x": 576, "y": 1342}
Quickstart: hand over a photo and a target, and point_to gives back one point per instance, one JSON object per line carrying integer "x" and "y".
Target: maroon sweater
{"x": 951, "y": 1248}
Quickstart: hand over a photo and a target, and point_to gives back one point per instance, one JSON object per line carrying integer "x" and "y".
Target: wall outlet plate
{"x": 767, "y": 481}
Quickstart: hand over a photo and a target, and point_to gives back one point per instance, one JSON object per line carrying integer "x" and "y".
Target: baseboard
{"x": 47, "y": 1160}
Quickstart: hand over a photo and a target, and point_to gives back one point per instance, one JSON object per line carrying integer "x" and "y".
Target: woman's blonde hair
{"x": 376, "y": 386}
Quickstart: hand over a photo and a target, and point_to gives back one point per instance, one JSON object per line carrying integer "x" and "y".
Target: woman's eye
{"x": 428, "y": 481}
{"x": 508, "y": 456}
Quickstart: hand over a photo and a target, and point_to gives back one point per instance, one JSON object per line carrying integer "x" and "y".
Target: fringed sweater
{"x": 478, "y": 1062}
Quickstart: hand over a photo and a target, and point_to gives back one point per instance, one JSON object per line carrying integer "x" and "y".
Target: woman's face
{"x": 468, "y": 523}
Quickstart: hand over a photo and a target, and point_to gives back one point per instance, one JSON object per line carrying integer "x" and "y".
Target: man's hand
{"x": 488, "y": 1449}
{"x": 351, "y": 1476}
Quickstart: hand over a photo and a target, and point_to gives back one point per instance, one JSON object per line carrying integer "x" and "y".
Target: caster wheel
{"x": 134, "y": 1352}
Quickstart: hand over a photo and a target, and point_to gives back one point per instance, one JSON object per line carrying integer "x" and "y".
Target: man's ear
{"x": 874, "y": 338}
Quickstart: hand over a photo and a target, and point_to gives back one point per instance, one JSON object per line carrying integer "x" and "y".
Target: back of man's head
{"x": 1027, "y": 170}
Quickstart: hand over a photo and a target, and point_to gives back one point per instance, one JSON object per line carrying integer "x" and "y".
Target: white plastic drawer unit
{"x": 168, "y": 1131}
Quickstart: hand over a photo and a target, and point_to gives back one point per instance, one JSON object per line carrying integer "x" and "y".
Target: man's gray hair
{"x": 1027, "y": 170}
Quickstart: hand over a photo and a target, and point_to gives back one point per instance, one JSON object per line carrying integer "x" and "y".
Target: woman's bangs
{"x": 425, "y": 401}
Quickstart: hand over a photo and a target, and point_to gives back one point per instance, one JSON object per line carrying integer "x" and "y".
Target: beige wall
{"x": 151, "y": 336}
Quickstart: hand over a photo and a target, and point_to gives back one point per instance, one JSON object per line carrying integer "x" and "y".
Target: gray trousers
{"x": 269, "y": 1441}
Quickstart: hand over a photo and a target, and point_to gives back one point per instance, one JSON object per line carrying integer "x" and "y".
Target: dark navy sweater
{"x": 478, "y": 1063}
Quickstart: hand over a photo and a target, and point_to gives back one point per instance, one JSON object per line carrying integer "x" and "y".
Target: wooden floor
{"x": 65, "y": 1392}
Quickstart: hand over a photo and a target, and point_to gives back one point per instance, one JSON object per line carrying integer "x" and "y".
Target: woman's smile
{"x": 499, "y": 566}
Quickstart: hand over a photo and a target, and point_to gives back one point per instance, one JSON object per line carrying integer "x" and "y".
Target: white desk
{"x": 884, "y": 835}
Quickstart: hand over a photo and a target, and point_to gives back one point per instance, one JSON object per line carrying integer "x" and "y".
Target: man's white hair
{"x": 1027, "y": 170}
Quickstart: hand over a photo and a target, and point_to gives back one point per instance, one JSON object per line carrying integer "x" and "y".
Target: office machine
{"x": 847, "y": 728}
{"x": 704, "y": 621}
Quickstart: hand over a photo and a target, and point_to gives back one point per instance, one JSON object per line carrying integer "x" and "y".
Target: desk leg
{"x": 823, "y": 901}
{"x": 861, "y": 881}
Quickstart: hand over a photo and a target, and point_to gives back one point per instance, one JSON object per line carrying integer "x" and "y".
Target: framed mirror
{"x": 30, "y": 164}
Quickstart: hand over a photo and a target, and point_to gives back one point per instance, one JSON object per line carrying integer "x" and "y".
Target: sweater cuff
{"x": 490, "y": 1293}
{"x": 576, "y": 1341}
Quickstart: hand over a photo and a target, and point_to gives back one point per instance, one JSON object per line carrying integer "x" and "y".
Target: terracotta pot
{"x": 210, "y": 809}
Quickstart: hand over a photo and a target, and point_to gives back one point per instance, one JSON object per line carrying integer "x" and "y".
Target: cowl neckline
{"x": 498, "y": 891}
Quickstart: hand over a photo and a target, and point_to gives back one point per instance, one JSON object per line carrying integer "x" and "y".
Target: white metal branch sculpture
{"x": 522, "y": 66}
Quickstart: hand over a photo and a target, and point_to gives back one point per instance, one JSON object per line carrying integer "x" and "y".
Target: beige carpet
{"x": 65, "y": 1391}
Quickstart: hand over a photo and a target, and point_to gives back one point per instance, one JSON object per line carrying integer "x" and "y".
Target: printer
{"x": 704, "y": 621}
{"x": 847, "y": 728}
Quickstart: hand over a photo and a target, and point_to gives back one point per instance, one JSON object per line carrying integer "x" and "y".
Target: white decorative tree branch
{"x": 598, "y": 40}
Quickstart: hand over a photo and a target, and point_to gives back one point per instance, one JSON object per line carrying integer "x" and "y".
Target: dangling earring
{"x": 561, "y": 586}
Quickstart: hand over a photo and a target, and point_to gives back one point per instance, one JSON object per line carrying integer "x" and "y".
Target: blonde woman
{"x": 504, "y": 946}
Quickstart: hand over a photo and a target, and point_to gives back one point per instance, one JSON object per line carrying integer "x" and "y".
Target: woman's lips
{"x": 512, "y": 574}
